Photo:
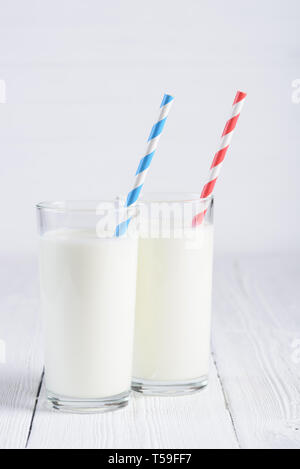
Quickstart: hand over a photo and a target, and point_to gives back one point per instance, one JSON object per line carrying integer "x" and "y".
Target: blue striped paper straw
{"x": 145, "y": 161}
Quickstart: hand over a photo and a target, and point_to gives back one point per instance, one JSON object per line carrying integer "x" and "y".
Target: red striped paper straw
{"x": 220, "y": 155}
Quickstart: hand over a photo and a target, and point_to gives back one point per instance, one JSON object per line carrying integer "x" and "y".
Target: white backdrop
{"x": 84, "y": 82}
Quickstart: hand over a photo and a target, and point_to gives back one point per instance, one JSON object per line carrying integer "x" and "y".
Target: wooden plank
{"x": 20, "y": 371}
{"x": 197, "y": 421}
{"x": 256, "y": 329}
{"x": 255, "y": 336}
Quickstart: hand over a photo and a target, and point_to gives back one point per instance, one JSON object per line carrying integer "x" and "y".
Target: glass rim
{"x": 91, "y": 206}
{"x": 184, "y": 197}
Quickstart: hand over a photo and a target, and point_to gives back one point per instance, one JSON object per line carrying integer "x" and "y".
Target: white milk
{"x": 173, "y": 307}
{"x": 88, "y": 297}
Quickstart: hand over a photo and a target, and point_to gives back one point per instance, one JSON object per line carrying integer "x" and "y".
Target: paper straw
{"x": 145, "y": 161}
{"x": 220, "y": 155}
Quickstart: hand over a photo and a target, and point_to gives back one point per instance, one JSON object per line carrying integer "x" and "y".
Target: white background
{"x": 84, "y": 82}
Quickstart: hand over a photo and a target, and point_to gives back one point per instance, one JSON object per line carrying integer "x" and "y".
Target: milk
{"x": 173, "y": 307}
{"x": 88, "y": 298}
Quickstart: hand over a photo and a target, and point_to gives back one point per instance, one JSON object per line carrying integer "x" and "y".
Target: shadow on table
{"x": 18, "y": 389}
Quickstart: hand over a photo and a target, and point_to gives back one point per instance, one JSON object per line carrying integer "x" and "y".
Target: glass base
{"x": 168, "y": 388}
{"x": 87, "y": 406}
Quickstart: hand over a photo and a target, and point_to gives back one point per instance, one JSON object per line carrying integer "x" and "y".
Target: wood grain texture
{"x": 256, "y": 324}
{"x": 19, "y": 330}
{"x": 197, "y": 421}
{"x": 253, "y": 403}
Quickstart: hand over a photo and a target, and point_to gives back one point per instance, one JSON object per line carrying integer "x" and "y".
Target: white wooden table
{"x": 253, "y": 398}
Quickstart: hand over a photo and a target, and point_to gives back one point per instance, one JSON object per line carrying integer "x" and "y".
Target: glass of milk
{"x": 88, "y": 287}
{"x": 173, "y": 302}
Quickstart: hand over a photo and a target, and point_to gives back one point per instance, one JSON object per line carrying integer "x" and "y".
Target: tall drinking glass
{"x": 174, "y": 285}
{"x": 88, "y": 286}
